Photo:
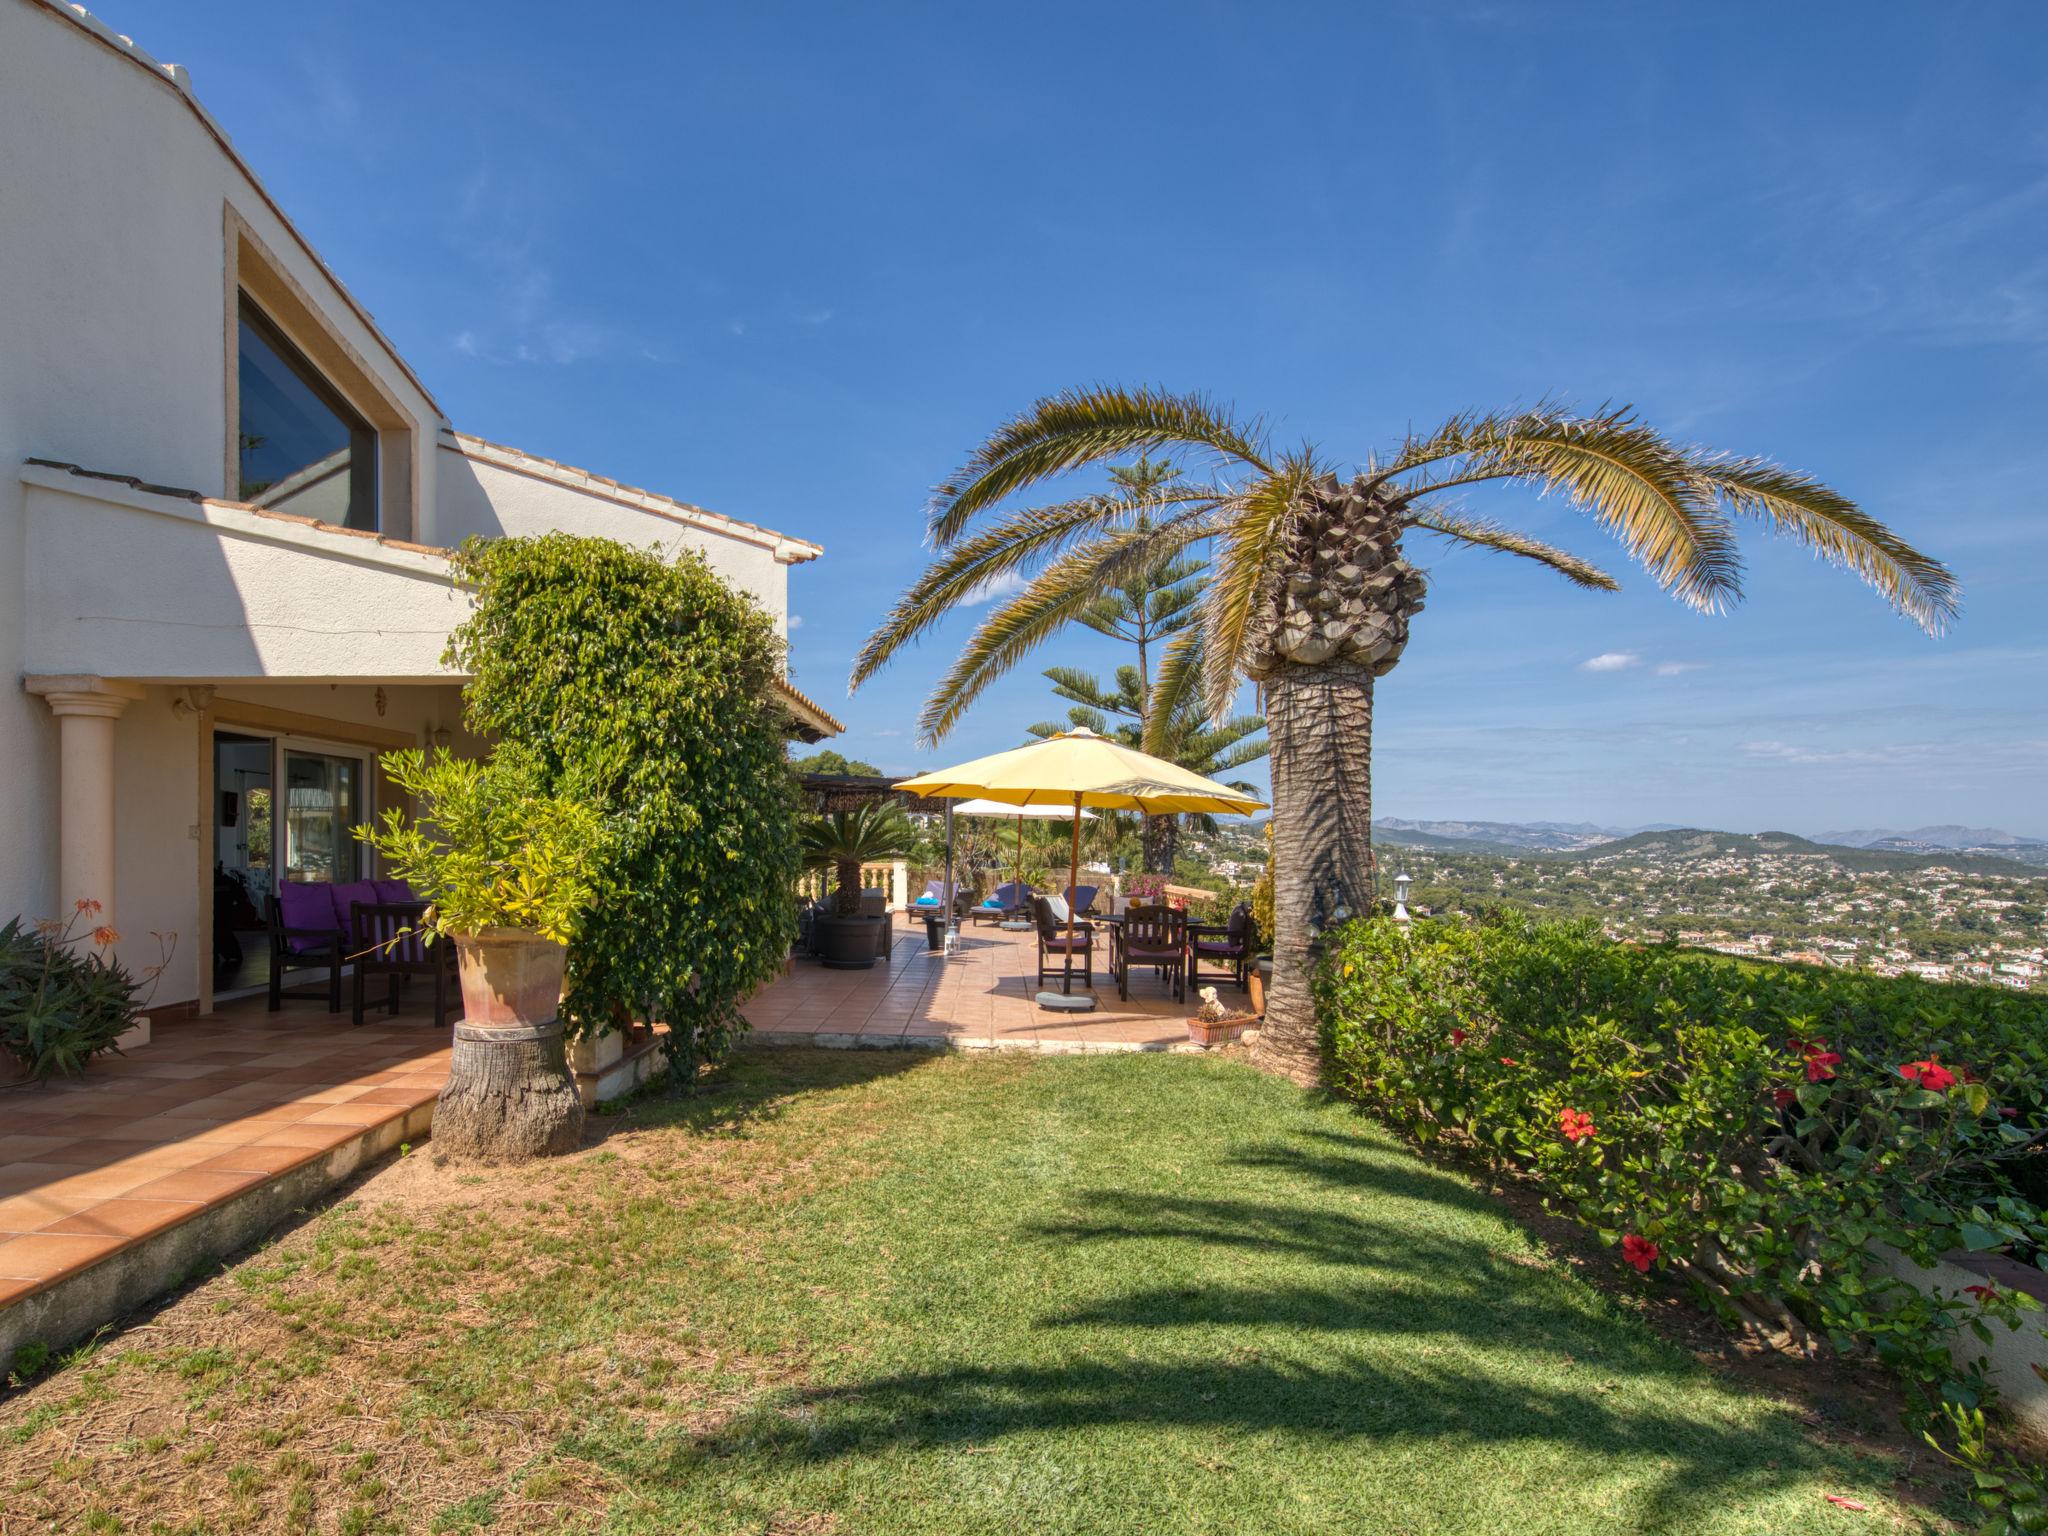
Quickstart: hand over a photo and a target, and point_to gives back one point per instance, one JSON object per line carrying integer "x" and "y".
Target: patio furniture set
{"x": 1159, "y": 937}
{"x": 371, "y": 925}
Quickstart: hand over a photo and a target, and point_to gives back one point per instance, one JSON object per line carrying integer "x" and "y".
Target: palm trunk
{"x": 1340, "y": 601}
{"x": 1319, "y": 720}
{"x": 1162, "y": 844}
{"x": 847, "y": 898}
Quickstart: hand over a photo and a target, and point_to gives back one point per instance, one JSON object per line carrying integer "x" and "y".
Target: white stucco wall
{"x": 112, "y": 330}
{"x": 475, "y": 496}
{"x": 135, "y": 584}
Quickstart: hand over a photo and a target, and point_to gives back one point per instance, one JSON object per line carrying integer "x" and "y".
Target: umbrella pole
{"x": 1073, "y": 881}
{"x": 951, "y": 920}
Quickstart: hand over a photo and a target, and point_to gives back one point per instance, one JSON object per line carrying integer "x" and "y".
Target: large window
{"x": 302, "y": 447}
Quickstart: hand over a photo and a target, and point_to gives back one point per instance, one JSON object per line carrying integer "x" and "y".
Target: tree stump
{"x": 510, "y": 1096}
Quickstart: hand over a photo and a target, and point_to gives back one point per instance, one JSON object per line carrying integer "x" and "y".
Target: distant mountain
{"x": 1933, "y": 837}
{"x": 1988, "y": 842}
{"x": 1685, "y": 844}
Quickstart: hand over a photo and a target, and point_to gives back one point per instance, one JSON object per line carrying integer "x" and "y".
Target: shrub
{"x": 844, "y": 841}
{"x": 486, "y": 846}
{"x": 1765, "y": 1131}
{"x": 63, "y": 998}
{"x": 645, "y": 688}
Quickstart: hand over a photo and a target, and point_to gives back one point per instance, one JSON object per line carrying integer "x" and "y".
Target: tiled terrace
{"x": 980, "y": 997}
{"x": 211, "y": 1109}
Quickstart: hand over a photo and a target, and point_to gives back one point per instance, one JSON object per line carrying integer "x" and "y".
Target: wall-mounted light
{"x": 195, "y": 700}
{"x": 440, "y": 736}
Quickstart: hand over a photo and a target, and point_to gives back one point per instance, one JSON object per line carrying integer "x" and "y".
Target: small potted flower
{"x": 506, "y": 870}
{"x": 1214, "y": 1023}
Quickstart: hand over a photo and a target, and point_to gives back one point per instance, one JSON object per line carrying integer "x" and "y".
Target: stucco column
{"x": 86, "y": 709}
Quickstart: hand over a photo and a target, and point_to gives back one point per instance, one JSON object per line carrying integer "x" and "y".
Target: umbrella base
{"x": 1067, "y": 1002}
{"x": 1014, "y": 927}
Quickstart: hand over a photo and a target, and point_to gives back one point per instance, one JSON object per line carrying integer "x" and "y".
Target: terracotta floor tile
{"x": 14, "y": 1290}
{"x": 38, "y": 1208}
{"x": 23, "y": 1149}
{"x": 197, "y": 1184}
{"x": 318, "y": 1137}
{"x": 41, "y": 1255}
{"x": 350, "y": 1114}
{"x": 98, "y": 1183}
{"x": 399, "y": 1095}
{"x": 125, "y": 1218}
{"x": 255, "y": 1159}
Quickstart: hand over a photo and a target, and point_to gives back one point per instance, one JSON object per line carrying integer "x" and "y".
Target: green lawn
{"x": 884, "y": 1292}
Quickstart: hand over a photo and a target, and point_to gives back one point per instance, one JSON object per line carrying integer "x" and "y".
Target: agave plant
{"x": 1309, "y": 589}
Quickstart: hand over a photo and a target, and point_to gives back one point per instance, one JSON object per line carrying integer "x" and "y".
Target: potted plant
{"x": 505, "y": 870}
{"x": 1214, "y": 1023}
{"x": 843, "y": 841}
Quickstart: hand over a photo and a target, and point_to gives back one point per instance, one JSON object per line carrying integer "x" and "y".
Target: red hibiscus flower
{"x": 1929, "y": 1074}
{"x": 1984, "y": 1293}
{"x": 1457, "y": 1037}
{"x": 1784, "y": 1098}
{"x": 1575, "y": 1125}
{"x": 1509, "y": 1061}
{"x": 1820, "y": 1061}
{"x": 1639, "y": 1251}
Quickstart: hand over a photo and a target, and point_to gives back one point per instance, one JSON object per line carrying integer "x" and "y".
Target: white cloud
{"x": 1679, "y": 668}
{"x": 995, "y": 587}
{"x": 885, "y": 733}
{"x": 796, "y": 621}
{"x": 1611, "y": 661}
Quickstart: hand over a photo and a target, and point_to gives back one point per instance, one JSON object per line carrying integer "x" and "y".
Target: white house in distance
{"x": 225, "y": 502}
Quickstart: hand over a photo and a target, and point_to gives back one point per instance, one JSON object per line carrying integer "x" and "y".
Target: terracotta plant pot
{"x": 1220, "y": 1031}
{"x": 510, "y": 976}
{"x": 510, "y": 1094}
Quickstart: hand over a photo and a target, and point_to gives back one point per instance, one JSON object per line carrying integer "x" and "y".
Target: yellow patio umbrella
{"x": 1078, "y": 768}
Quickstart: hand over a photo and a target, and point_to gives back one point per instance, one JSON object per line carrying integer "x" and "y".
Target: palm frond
{"x": 1051, "y": 600}
{"x": 1838, "y": 530}
{"x": 1085, "y": 426}
{"x": 1483, "y": 533}
{"x": 1179, "y": 684}
{"x": 1644, "y": 490}
{"x": 1005, "y": 547}
{"x": 1253, "y": 528}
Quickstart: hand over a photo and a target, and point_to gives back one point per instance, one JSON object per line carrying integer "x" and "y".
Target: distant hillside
{"x": 1690, "y": 843}
{"x": 1964, "y": 839}
{"x": 1550, "y": 836}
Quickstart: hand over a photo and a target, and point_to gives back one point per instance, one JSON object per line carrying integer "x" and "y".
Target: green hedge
{"x": 1760, "y": 1129}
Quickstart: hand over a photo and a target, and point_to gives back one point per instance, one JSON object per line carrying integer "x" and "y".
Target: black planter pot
{"x": 848, "y": 943}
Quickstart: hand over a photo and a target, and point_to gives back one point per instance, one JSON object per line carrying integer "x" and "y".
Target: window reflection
{"x": 304, "y": 449}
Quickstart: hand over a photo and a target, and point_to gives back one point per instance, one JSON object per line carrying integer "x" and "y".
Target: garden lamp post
{"x": 1401, "y": 883}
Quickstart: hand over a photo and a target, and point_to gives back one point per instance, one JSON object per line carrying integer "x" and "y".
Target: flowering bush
{"x": 63, "y": 997}
{"x": 1766, "y": 1132}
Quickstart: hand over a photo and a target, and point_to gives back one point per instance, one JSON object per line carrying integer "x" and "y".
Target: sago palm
{"x": 1310, "y": 591}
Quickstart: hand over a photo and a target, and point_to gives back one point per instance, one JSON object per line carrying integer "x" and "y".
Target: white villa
{"x": 225, "y": 501}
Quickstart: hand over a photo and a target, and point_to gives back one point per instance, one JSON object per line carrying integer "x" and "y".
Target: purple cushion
{"x": 346, "y": 896}
{"x": 393, "y": 890}
{"x": 1220, "y": 947}
{"x": 306, "y": 906}
{"x": 1152, "y": 952}
{"x": 1060, "y": 943}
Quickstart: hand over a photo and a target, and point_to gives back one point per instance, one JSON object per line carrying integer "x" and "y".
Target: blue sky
{"x": 792, "y": 261}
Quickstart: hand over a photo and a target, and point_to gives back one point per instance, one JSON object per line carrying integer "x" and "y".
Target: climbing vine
{"x": 645, "y": 686}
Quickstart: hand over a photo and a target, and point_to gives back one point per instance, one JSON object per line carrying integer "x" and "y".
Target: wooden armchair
{"x": 1055, "y": 953}
{"x": 383, "y": 941}
{"x": 1155, "y": 936}
{"x": 1233, "y": 944}
{"x": 304, "y": 935}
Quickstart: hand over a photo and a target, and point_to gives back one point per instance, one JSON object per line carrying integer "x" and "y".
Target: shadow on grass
{"x": 1400, "y": 1335}
{"x": 754, "y": 1088}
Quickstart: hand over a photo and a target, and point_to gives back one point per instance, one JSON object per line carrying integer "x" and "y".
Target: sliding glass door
{"x": 322, "y": 800}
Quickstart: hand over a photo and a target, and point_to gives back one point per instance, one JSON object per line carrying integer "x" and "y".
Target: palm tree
{"x": 844, "y": 841}
{"x": 1309, "y": 591}
{"x": 1180, "y": 732}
